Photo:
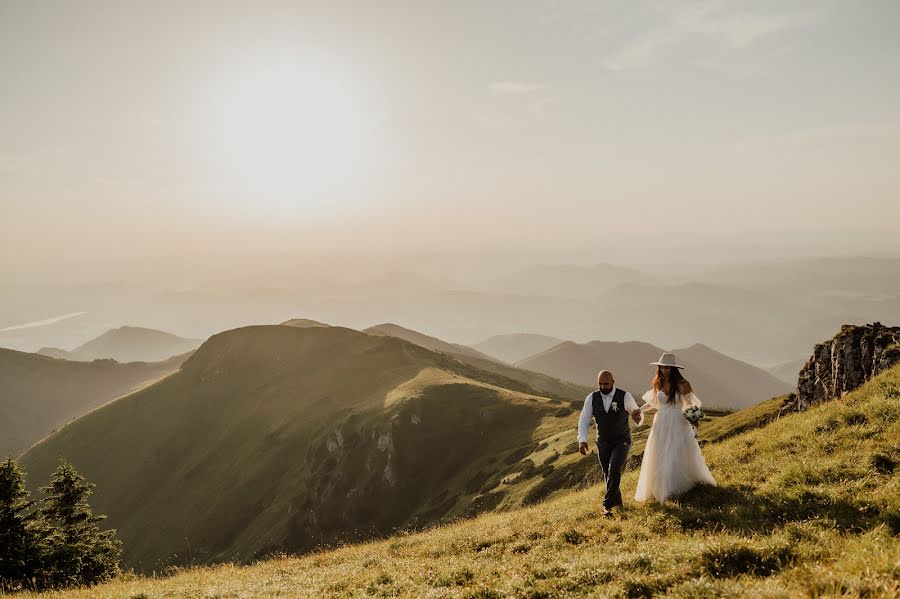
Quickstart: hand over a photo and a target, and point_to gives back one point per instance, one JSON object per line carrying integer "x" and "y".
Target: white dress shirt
{"x": 587, "y": 412}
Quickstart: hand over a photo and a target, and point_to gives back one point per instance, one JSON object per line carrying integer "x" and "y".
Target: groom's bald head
{"x": 605, "y": 381}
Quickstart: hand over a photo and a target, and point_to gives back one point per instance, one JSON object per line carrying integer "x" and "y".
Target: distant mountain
{"x": 849, "y": 277}
{"x": 55, "y": 352}
{"x": 130, "y": 344}
{"x": 516, "y": 347}
{"x": 304, "y": 323}
{"x": 540, "y": 382}
{"x": 567, "y": 280}
{"x": 40, "y": 394}
{"x": 788, "y": 371}
{"x": 721, "y": 382}
{"x": 758, "y": 325}
{"x": 728, "y": 382}
{"x": 580, "y": 362}
{"x": 276, "y": 438}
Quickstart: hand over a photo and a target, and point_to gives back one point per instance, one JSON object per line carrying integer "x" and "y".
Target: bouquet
{"x": 693, "y": 415}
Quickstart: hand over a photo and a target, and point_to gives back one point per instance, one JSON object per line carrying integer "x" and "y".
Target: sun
{"x": 292, "y": 136}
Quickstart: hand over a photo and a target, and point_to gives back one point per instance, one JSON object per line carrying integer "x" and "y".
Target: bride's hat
{"x": 667, "y": 359}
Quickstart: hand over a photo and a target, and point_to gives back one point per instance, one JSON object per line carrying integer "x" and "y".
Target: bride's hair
{"x": 675, "y": 380}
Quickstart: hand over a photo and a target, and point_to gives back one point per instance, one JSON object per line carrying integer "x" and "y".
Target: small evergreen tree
{"x": 21, "y": 540}
{"x": 79, "y": 552}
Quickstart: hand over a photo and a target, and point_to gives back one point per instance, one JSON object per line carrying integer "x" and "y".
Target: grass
{"x": 808, "y": 505}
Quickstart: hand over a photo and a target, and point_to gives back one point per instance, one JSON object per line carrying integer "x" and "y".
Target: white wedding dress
{"x": 672, "y": 462}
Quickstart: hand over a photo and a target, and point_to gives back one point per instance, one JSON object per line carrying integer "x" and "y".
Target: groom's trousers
{"x": 612, "y": 460}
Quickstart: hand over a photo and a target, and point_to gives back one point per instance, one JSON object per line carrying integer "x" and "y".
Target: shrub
{"x": 573, "y": 537}
{"x": 883, "y": 464}
{"x": 57, "y": 543}
{"x": 459, "y": 578}
{"x": 79, "y": 552}
{"x": 738, "y": 558}
{"x": 21, "y": 547}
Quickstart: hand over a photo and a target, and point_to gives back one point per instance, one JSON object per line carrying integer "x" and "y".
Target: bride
{"x": 672, "y": 462}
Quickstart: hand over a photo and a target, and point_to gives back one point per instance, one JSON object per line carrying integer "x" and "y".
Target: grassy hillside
{"x": 432, "y": 343}
{"x": 720, "y": 381}
{"x": 808, "y": 505}
{"x": 275, "y": 438}
{"x": 39, "y": 394}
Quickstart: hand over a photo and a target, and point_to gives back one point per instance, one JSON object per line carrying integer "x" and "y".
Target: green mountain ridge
{"x": 277, "y": 438}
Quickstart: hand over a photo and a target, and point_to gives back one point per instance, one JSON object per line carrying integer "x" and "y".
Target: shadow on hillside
{"x": 739, "y": 509}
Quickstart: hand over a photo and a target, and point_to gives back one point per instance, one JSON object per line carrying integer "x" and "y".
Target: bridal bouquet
{"x": 693, "y": 415}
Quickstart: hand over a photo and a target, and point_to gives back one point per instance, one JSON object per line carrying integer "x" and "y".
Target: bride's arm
{"x": 688, "y": 398}
{"x": 650, "y": 401}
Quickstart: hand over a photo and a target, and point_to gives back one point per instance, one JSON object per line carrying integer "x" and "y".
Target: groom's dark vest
{"x": 612, "y": 426}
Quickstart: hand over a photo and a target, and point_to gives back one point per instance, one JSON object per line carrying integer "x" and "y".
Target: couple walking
{"x": 672, "y": 462}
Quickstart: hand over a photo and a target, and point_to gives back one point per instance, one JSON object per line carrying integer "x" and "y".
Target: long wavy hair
{"x": 675, "y": 379}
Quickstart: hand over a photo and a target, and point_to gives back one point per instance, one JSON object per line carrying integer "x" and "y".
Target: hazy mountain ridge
{"x": 764, "y": 313}
{"x": 127, "y": 344}
{"x": 720, "y": 381}
{"x": 515, "y": 347}
{"x": 41, "y": 393}
{"x": 788, "y": 371}
{"x": 303, "y": 323}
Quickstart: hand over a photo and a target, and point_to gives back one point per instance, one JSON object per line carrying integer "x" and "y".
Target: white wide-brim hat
{"x": 667, "y": 359}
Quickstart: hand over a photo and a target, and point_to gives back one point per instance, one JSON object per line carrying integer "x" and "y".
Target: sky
{"x": 157, "y": 132}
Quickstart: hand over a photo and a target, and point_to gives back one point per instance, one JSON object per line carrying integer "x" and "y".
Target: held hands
{"x": 636, "y": 416}
{"x": 583, "y": 448}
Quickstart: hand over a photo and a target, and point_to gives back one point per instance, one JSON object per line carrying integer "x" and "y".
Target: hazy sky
{"x": 174, "y": 128}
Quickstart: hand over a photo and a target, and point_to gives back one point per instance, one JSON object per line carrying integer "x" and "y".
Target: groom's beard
{"x": 605, "y": 391}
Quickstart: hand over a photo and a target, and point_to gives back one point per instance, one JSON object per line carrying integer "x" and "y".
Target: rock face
{"x": 843, "y": 363}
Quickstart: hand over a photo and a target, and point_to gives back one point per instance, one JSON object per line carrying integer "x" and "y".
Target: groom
{"x": 610, "y": 407}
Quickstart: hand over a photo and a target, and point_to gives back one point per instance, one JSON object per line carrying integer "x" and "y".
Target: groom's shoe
{"x": 607, "y": 512}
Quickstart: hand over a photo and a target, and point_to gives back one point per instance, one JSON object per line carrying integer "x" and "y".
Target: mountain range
{"x": 286, "y": 437}
{"x": 764, "y": 312}
{"x": 721, "y": 382}
{"x": 41, "y": 393}
{"x": 127, "y": 344}
{"x": 273, "y": 438}
{"x": 515, "y": 347}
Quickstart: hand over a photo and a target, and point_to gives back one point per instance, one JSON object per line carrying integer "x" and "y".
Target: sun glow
{"x": 293, "y": 136}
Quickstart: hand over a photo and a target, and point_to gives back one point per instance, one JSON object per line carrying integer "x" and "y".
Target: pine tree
{"x": 79, "y": 552}
{"x": 21, "y": 542}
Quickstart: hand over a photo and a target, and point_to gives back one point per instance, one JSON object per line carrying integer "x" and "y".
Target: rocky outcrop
{"x": 843, "y": 363}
